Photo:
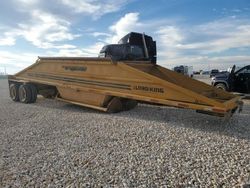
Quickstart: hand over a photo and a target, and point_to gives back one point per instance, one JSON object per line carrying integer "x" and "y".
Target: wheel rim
{"x": 13, "y": 92}
{"x": 23, "y": 94}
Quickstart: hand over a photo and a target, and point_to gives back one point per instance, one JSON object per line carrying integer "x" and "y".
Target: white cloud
{"x": 129, "y": 22}
{"x": 74, "y": 52}
{"x": 169, "y": 35}
{"x": 99, "y": 34}
{"x": 7, "y": 41}
{"x": 89, "y": 51}
{"x": 236, "y": 10}
{"x": 93, "y": 50}
{"x": 28, "y": 2}
{"x": 194, "y": 46}
{"x": 177, "y": 43}
{"x": 16, "y": 61}
{"x": 49, "y": 31}
{"x": 168, "y": 39}
{"x": 7, "y": 38}
{"x": 95, "y": 8}
{"x": 219, "y": 36}
{"x": 82, "y": 6}
{"x": 45, "y": 29}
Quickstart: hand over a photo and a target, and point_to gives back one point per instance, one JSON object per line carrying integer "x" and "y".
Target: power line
{"x": 4, "y": 72}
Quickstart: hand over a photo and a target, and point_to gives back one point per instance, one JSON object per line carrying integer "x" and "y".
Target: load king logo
{"x": 149, "y": 89}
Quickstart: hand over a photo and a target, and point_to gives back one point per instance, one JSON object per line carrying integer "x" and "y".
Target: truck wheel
{"x": 221, "y": 86}
{"x": 129, "y": 104}
{"x": 33, "y": 93}
{"x": 14, "y": 92}
{"x": 115, "y": 105}
{"x": 25, "y": 94}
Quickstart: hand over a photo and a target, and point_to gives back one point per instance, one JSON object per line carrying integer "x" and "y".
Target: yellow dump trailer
{"x": 127, "y": 74}
{"x": 106, "y": 85}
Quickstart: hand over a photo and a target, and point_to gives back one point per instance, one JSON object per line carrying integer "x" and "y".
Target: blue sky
{"x": 203, "y": 33}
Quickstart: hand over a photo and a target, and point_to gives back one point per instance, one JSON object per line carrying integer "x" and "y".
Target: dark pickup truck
{"x": 234, "y": 81}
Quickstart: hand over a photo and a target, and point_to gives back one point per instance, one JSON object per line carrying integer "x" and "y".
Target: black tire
{"x": 221, "y": 86}
{"x": 129, "y": 104}
{"x": 115, "y": 105}
{"x": 33, "y": 93}
{"x": 14, "y": 94}
{"x": 25, "y": 94}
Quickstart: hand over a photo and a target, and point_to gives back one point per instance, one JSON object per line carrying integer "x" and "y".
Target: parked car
{"x": 213, "y": 72}
{"x": 236, "y": 81}
{"x": 236, "y": 68}
{"x": 196, "y": 72}
{"x": 205, "y": 73}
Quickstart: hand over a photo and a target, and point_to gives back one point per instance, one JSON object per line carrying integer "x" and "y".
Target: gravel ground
{"x": 52, "y": 144}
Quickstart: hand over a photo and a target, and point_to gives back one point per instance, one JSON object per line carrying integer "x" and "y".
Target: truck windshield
{"x": 124, "y": 40}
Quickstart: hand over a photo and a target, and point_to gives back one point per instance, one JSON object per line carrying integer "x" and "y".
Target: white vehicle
{"x": 190, "y": 71}
{"x": 186, "y": 70}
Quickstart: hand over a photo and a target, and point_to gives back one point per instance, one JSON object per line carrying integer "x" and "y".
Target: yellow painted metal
{"x": 93, "y": 81}
{"x": 82, "y": 104}
{"x": 91, "y": 98}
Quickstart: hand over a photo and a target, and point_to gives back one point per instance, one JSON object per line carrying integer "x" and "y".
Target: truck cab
{"x": 235, "y": 81}
{"x": 133, "y": 46}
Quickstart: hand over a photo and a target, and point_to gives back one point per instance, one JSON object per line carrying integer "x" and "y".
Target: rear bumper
{"x": 230, "y": 107}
